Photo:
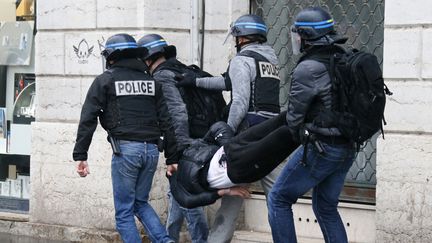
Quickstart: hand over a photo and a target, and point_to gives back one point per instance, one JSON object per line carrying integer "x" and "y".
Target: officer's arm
{"x": 93, "y": 105}
{"x": 303, "y": 92}
{"x": 240, "y": 73}
{"x": 176, "y": 106}
{"x": 215, "y": 83}
{"x": 172, "y": 153}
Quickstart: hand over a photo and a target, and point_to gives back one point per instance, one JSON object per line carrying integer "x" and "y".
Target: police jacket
{"x": 247, "y": 94}
{"x": 130, "y": 105}
{"x": 311, "y": 93}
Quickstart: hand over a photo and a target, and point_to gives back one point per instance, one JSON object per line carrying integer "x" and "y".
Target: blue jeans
{"x": 195, "y": 218}
{"x": 325, "y": 173}
{"x": 132, "y": 175}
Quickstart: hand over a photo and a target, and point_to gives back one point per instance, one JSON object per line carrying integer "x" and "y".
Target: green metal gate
{"x": 362, "y": 21}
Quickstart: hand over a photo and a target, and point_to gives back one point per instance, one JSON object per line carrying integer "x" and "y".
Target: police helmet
{"x": 156, "y": 44}
{"x": 122, "y": 46}
{"x": 313, "y": 23}
{"x": 313, "y": 26}
{"x": 249, "y": 25}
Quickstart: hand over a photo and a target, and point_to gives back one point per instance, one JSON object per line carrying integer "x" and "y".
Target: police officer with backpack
{"x": 131, "y": 108}
{"x": 253, "y": 79}
{"x": 325, "y": 157}
{"x": 193, "y": 111}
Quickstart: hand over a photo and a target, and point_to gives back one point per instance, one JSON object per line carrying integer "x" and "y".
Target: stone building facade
{"x": 404, "y": 158}
{"x": 60, "y": 197}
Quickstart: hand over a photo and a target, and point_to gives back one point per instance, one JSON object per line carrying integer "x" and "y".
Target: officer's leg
{"x": 197, "y": 224}
{"x": 124, "y": 195}
{"x": 224, "y": 225}
{"x": 326, "y": 194}
{"x": 293, "y": 182}
{"x": 174, "y": 219}
{"x": 143, "y": 210}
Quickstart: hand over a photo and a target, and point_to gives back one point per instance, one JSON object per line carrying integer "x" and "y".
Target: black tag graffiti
{"x": 83, "y": 51}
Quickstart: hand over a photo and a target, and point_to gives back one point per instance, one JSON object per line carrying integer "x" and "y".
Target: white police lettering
{"x": 135, "y": 87}
{"x": 268, "y": 70}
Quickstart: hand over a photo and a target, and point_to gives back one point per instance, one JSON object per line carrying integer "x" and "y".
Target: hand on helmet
{"x": 186, "y": 80}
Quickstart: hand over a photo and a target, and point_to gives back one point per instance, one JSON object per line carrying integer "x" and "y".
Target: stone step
{"x": 263, "y": 237}
{"x": 359, "y": 219}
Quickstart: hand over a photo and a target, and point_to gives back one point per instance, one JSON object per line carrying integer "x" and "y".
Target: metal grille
{"x": 362, "y": 21}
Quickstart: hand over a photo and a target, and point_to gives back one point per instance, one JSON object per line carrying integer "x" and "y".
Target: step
{"x": 263, "y": 237}
{"x": 359, "y": 219}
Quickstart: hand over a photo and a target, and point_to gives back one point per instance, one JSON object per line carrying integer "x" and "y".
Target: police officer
{"x": 163, "y": 65}
{"x": 253, "y": 79}
{"x": 131, "y": 108}
{"x": 325, "y": 158}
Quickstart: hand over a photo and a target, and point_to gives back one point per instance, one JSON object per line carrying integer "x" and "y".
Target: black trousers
{"x": 253, "y": 154}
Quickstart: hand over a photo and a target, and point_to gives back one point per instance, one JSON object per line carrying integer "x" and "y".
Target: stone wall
{"x": 67, "y": 61}
{"x": 404, "y": 158}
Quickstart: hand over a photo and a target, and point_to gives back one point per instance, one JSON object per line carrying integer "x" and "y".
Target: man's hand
{"x": 83, "y": 168}
{"x": 235, "y": 191}
{"x": 171, "y": 169}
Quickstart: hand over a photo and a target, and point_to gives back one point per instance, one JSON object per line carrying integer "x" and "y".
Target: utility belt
{"x": 334, "y": 140}
{"x": 312, "y": 139}
{"x": 115, "y": 143}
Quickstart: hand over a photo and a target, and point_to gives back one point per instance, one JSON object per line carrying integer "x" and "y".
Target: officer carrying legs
{"x": 323, "y": 161}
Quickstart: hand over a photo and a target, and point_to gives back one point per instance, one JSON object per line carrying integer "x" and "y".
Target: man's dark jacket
{"x": 130, "y": 105}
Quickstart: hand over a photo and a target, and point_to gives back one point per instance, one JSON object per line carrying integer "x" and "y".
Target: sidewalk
{"x": 8, "y": 238}
{"x": 15, "y": 228}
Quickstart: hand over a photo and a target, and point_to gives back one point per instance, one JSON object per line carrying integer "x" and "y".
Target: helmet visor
{"x": 228, "y": 33}
{"x": 295, "y": 41}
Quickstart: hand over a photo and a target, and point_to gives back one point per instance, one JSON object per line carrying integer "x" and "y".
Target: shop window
{"x": 17, "y": 102}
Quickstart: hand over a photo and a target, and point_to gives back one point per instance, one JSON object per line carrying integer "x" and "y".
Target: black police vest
{"x": 131, "y": 103}
{"x": 265, "y": 87}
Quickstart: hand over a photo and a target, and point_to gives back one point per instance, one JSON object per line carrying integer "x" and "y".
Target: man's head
{"x": 313, "y": 26}
{"x": 121, "y": 46}
{"x": 248, "y": 29}
{"x": 157, "y": 48}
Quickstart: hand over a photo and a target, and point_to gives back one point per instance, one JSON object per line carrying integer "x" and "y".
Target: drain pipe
{"x": 194, "y": 32}
{"x": 203, "y": 12}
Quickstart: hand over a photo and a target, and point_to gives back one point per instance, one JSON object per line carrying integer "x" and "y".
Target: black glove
{"x": 219, "y": 133}
{"x": 186, "y": 80}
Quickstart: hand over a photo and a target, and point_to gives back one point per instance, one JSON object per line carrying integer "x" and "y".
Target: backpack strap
{"x": 327, "y": 57}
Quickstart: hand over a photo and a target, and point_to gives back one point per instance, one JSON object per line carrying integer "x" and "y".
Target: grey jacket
{"x": 176, "y": 106}
{"x": 242, "y": 71}
{"x": 310, "y": 92}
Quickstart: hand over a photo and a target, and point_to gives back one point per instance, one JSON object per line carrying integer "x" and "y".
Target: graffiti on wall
{"x": 83, "y": 51}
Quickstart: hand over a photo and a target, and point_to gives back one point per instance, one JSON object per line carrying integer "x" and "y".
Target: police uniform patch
{"x": 135, "y": 87}
{"x": 268, "y": 70}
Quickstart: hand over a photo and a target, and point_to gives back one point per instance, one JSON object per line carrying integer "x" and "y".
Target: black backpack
{"x": 204, "y": 107}
{"x": 359, "y": 92}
